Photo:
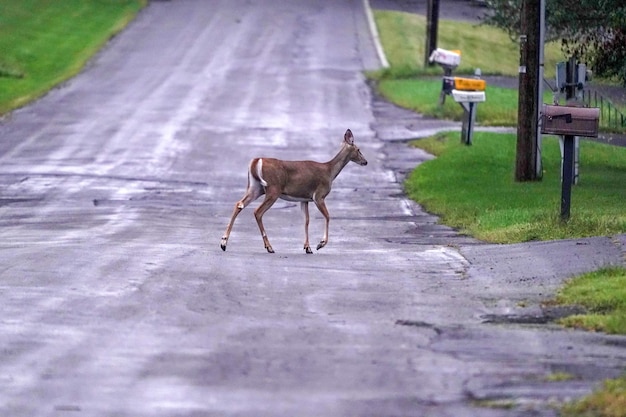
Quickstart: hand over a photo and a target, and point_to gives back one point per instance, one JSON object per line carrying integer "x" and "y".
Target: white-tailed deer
{"x": 302, "y": 181}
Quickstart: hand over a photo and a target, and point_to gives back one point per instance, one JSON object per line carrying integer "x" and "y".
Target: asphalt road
{"x": 115, "y": 189}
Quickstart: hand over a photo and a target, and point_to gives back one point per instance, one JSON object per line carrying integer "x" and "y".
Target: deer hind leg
{"x": 305, "y": 209}
{"x": 254, "y": 191}
{"x": 321, "y": 205}
{"x": 270, "y": 198}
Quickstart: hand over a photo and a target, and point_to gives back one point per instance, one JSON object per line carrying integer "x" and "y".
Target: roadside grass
{"x": 422, "y": 96}
{"x": 607, "y": 401}
{"x": 603, "y": 294}
{"x": 44, "y": 42}
{"x": 403, "y": 37}
{"x": 409, "y": 84}
{"x": 472, "y": 188}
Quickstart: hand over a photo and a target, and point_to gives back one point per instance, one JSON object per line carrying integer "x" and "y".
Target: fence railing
{"x": 610, "y": 116}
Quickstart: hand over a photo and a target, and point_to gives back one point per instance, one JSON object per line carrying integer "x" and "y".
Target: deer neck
{"x": 339, "y": 161}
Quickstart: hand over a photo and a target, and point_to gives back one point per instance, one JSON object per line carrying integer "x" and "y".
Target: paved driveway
{"x": 116, "y": 299}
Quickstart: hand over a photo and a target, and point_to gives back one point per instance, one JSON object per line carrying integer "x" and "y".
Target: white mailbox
{"x": 446, "y": 58}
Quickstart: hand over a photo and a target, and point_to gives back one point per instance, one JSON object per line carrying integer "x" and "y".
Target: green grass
{"x": 407, "y": 84}
{"x": 484, "y": 47}
{"x": 403, "y": 37}
{"x": 422, "y": 96}
{"x": 607, "y": 401}
{"x": 603, "y": 294}
{"x": 45, "y": 42}
{"x": 472, "y": 188}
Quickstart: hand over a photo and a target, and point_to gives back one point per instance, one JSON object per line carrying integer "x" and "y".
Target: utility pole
{"x": 540, "y": 76}
{"x": 432, "y": 23}
{"x": 528, "y": 106}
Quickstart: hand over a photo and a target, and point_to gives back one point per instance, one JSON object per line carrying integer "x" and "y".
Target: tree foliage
{"x": 593, "y": 31}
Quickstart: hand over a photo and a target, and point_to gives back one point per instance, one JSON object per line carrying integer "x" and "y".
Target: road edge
{"x": 375, "y": 35}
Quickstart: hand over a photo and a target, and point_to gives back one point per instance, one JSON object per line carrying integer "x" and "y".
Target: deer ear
{"x": 348, "y": 138}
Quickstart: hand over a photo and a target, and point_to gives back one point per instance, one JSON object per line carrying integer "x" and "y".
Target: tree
{"x": 591, "y": 30}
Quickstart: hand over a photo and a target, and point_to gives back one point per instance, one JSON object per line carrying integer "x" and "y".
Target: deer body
{"x": 299, "y": 181}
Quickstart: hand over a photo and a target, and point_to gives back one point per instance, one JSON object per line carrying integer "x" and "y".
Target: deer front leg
{"x": 238, "y": 207}
{"x": 270, "y": 199}
{"x": 305, "y": 209}
{"x": 321, "y": 205}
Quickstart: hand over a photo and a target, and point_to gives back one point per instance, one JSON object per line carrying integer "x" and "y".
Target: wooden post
{"x": 432, "y": 23}
{"x": 527, "y": 113}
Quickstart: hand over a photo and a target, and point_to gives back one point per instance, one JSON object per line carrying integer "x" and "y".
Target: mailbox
{"x": 445, "y": 58}
{"x": 448, "y": 84}
{"x": 567, "y": 120}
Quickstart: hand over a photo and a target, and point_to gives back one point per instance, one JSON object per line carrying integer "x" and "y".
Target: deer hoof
{"x": 223, "y": 244}
{"x": 308, "y": 249}
{"x": 321, "y": 244}
{"x": 269, "y": 249}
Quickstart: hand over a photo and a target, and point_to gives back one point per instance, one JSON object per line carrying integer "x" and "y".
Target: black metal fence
{"x": 610, "y": 116}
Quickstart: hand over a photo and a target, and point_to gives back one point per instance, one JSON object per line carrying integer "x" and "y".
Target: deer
{"x": 295, "y": 181}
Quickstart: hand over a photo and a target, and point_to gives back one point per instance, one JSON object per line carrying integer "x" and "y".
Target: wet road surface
{"x": 115, "y": 189}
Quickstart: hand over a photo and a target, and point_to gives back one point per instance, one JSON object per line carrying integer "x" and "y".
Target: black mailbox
{"x": 568, "y": 120}
{"x": 448, "y": 84}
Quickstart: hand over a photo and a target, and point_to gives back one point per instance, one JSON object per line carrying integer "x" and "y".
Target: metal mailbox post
{"x": 468, "y": 92}
{"x": 569, "y": 122}
{"x": 571, "y": 78}
{"x": 469, "y": 101}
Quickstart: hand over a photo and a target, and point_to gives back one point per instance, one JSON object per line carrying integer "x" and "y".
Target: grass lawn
{"x": 410, "y": 85}
{"x": 472, "y": 188}
{"x": 403, "y": 37}
{"x": 422, "y": 95}
{"x": 44, "y": 42}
